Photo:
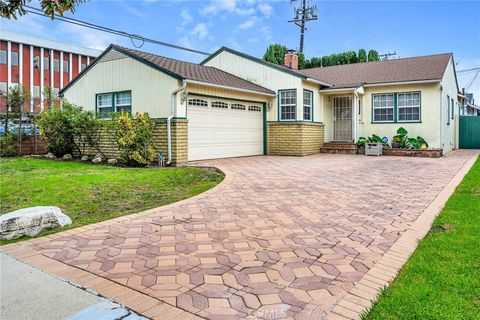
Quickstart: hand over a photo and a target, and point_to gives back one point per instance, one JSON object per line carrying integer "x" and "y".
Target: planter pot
{"x": 396, "y": 145}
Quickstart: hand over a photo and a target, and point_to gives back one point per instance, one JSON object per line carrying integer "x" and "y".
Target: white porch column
{"x": 20, "y": 64}
{"x": 70, "y": 68}
{"x": 79, "y": 63}
{"x": 355, "y": 117}
{"x": 9, "y": 64}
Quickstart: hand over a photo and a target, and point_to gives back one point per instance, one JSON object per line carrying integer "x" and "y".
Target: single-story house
{"x": 233, "y": 104}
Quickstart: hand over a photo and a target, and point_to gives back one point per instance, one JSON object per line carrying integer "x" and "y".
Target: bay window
{"x": 307, "y": 105}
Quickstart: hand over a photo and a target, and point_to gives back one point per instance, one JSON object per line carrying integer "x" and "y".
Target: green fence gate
{"x": 469, "y": 132}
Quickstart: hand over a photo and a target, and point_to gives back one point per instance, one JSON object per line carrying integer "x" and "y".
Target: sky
{"x": 408, "y": 28}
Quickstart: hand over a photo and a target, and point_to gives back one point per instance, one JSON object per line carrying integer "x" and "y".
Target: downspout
{"x": 441, "y": 116}
{"x": 169, "y": 120}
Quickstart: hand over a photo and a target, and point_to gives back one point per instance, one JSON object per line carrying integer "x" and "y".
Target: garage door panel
{"x": 219, "y": 133}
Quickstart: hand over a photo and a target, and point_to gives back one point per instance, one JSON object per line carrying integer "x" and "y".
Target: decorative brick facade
{"x": 179, "y": 142}
{"x": 294, "y": 138}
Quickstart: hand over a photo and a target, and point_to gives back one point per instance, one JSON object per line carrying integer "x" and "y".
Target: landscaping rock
{"x": 112, "y": 161}
{"x": 97, "y": 159}
{"x": 50, "y": 156}
{"x": 84, "y": 159}
{"x": 67, "y": 157}
{"x": 31, "y": 221}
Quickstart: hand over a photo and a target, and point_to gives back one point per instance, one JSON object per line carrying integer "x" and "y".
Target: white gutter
{"x": 169, "y": 120}
{"x": 319, "y": 82}
{"x": 400, "y": 82}
{"x": 230, "y": 88}
{"x": 336, "y": 90}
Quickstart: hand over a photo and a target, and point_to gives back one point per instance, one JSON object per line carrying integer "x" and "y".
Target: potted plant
{"x": 400, "y": 140}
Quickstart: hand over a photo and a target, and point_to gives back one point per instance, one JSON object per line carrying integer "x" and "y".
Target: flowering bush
{"x": 134, "y": 137}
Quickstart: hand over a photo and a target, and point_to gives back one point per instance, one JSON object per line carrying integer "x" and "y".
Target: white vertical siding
{"x": 151, "y": 89}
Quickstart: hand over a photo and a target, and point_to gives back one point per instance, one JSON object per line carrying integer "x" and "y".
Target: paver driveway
{"x": 281, "y": 237}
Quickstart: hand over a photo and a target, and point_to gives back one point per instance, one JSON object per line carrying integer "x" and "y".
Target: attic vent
{"x": 112, "y": 55}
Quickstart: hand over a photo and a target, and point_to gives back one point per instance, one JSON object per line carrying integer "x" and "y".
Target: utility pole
{"x": 301, "y": 16}
{"x": 385, "y": 56}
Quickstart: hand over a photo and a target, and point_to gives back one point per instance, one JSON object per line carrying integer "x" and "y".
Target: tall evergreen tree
{"x": 275, "y": 53}
{"x": 373, "y": 55}
{"x": 362, "y": 55}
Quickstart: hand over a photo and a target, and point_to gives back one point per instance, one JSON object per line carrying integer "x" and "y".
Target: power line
{"x": 302, "y": 16}
{"x": 131, "y": 36}
{"x": 471, "y": 82}
{"x": 468, "y": 70}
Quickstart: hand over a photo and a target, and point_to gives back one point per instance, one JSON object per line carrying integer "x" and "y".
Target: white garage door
{"x": 220, "y": 128}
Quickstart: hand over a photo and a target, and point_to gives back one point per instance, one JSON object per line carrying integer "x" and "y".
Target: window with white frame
{"x": 198, "y": 102}
{"x": 383, "y": 106}
{"x": 408, "y": 106}
{"x": 113, "y": 102}
{"x": 56, "y": 65}
{"x": 307, "y": 105}
{"x": 288, "y": 104}
{"x": 36, "y": 91}
{"x": 36, "y": 62}
{"x": 123, "y": 102}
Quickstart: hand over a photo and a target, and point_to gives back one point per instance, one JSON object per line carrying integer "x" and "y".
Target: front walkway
{"x": 281, "y": 237}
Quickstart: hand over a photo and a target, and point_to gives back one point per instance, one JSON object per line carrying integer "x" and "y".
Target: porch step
{"x": 338, "y": 147}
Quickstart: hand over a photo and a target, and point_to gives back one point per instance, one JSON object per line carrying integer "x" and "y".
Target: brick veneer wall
{"x": 179, "y": 142}
{"x": 294, "y": 138}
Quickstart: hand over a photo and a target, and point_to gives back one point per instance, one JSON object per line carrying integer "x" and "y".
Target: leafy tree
{"x": 301, "y": 60}
{"x": 350, "y": 57}
{"x": 275, "y": 54}
{"x": 373, "y": 55}
{"x": 16, "y": 98}
{"x": 134, "y": 137}
{"x": 13, "y": 8}
{"x": 68, "y": 129}
{"x": 315, "y": 62}
{"x": 362, "y": 55}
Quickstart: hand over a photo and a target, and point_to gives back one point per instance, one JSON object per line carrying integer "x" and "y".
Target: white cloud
{"x": 265, "y": 8}
{"x": 246, "y": 25}
{"x": 186, "y": 17}
{"x": 200, "y": 30}
{"x": 253, "y": 40}
{"x": 235, "y": 45}
{"x": 267, "y": 32}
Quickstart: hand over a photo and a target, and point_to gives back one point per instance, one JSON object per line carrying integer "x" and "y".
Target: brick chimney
{"x": 291, "y": 59}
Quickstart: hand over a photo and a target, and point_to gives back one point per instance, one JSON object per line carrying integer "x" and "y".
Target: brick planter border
{"x": 430, "y": 153}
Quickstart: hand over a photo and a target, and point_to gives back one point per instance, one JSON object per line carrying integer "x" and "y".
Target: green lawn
{"x": 91, "y": 193}
{"x": 442, "y": 278}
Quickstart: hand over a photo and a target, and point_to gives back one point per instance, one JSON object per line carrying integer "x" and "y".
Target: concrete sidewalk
{"x": 28, "y": 293}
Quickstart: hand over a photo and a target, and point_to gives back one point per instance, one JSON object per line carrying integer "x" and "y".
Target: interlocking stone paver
{"x": 282, "y": 235}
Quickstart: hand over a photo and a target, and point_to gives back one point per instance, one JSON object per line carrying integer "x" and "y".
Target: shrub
{"x": 68, "y": 129}
{"x": 134, "y": 137}
{"x": 362, "y": 141}
{"x": 409, "y": 143}
{"x": 8, "y": 145}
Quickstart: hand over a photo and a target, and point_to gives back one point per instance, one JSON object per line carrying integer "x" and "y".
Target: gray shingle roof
{"x": 400, "y": 70}
{"x": 196, "y": 72}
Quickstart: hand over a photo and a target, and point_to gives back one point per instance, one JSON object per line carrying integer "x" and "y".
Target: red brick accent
{"x": 291, "y": 60}
{"x": 430, "y": 153}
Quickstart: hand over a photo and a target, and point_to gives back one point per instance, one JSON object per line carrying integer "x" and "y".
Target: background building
{"x": 38, "y": 63}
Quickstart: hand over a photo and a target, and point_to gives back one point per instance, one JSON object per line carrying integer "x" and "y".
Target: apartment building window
{"x": 65, "y": 66}
{"x": 36, "y": 62}
{"x": 56, "y": 65}
{"x": 14, "y": 56}
{"x": 288, "y": 104}
{"x": 3, "y": 88}
{"x": 3, "y": 57}
{"x": 36, "y": 91}
{"x": 46, "y": 63}
{"x": 83, "y": 66}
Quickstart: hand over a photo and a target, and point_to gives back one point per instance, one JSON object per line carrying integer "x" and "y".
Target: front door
{"x": 342, "y": 118}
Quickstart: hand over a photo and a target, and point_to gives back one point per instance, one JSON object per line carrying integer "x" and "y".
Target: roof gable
{"x": 292, "y": 72}
{"x": 422, "y": 68}
{"x": 180, "y": 70}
